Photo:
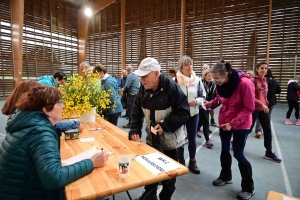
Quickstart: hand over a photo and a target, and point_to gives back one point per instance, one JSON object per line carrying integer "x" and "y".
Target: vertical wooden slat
{"x": 83, "y": 23}
{"x": 17, "y": 16}
{"x": 123, "y": 33}
{"x": 182, "y": 35}
{"x": 269, "y": 31}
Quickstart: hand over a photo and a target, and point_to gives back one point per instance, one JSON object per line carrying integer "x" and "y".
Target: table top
{"x": 272, "y": 195}
{"x": 105, "y": 181}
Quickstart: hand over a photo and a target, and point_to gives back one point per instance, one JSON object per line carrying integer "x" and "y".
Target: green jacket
{"x": 30, "y": 162}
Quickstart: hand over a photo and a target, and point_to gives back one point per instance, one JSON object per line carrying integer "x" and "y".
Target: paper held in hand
{"x": 84, "y": 155}
{"x": 157, "y": 163}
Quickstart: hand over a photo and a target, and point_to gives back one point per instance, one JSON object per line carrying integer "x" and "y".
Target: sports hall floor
{"x": 267, "y": 175}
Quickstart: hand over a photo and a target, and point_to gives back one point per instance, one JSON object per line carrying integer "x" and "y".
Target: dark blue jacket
{"x": 30, "y": 162}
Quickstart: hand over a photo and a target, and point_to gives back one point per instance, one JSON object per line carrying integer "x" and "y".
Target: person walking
{"x": 192, "y": 87}
{"x": 235, "y": 92}
{"x": 164, "y": 106}
{"x": 262, "y": 110}
{"x": 292, "y": 98}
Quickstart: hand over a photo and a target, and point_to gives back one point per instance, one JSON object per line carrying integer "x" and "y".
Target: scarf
{"x": 187, "y": 81}
{"x": 226, "y": 90}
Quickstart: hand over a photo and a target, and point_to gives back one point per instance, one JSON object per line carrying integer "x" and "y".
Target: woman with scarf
{"x": 235, "y": 92}
{"x": 193, "y": 89}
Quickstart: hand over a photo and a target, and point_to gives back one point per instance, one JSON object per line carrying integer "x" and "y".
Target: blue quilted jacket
{"x": 30, "y": 162}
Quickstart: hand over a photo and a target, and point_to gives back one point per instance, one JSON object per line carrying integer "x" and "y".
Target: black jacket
{"x": 273, "y": 88}
{"x": 291, "y": 94}
{"x": 167, "y": 106}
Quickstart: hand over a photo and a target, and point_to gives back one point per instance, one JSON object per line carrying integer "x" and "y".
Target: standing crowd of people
{"x": 174, "y": 108}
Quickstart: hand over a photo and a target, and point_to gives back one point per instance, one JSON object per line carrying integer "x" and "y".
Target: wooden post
{"x": 182, "y": 33}
{"x": 123, "y": 33}
{"x": 17, "y": 18}
{"x": 269, "y": 31}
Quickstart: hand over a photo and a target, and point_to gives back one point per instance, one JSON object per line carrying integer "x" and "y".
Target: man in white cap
{"x": 164, "y": 106}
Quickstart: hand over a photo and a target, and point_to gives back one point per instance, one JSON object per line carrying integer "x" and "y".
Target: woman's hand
{"x": 207, "y": 103}
{"x": 265, "y": 108}
{"x": 99, "y": 159}
{"x": 225, "y": 127}
{"x": 80, "y": 128}
{"x": 193, "y": 102}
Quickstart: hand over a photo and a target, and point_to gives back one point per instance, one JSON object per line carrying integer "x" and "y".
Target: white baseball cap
{"x": 147, "y": 65}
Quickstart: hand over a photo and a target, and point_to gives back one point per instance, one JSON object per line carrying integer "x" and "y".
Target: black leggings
{"x": 293, "y": 104}
{"x": 264, "y": 120}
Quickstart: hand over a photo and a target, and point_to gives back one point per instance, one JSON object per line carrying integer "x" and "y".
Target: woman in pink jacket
{"x": 235, "y": 92}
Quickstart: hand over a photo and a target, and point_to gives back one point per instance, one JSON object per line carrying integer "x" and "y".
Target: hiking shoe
{"x": 199, "y": 135}
{"x": 149, "y": 197}
{"x": 182, "y": 161}
{"x": 193, "y": 167}
{"x": 288, "y": 122}
{"x": 126, "y": 126}
{"x": 220, "y": 182}
{"x": 212, "y": 122}
{"x": 273, "y": 157}
{"x": 258, "y": 134}
{"x": 298, "y": 123}
{"x": 209, "y": 144}
{"x": 245, "y": 195}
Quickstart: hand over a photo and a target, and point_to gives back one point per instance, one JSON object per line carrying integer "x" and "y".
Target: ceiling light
{"x": 88, "y": 12}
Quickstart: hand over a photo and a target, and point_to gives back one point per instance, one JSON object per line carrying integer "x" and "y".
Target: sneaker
{"x": 209, "y": 144}
{"x": 182, "y": 162}
{"x": 258, "y": 134}
{"x": 149, "y": 197}
{"x": 288, "y": 122}
{"x": 212, "y": 122}
{"x": 126, "y": 126}
{"x": 298, "y": 123}
{"x": 199, "y": 135}
{"x": 193, "y": 167}
{"x": 273, "y": 157}
{"x": 245, "y": 195}
{"x": 220, "y": 182}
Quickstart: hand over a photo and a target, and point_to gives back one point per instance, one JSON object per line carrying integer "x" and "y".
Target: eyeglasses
{"x": 61, "y": 102}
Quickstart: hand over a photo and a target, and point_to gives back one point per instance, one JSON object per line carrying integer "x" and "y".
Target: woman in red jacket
{"x": 235, "y": 92}
{"x": 262, "y": 110}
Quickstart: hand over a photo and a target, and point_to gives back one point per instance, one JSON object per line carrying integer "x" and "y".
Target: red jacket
{"x": 261, "y": 92}
{"x": 237, "y": 109}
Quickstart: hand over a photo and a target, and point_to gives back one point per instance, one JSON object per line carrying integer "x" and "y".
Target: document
{"x": 84, "y": 155}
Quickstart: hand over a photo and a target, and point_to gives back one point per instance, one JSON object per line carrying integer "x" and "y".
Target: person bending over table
{"x": 166, "y": 110}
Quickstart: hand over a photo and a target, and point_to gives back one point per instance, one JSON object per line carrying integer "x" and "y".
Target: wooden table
{"x": 272, "y": 195}
{"x": 105, "y": 181}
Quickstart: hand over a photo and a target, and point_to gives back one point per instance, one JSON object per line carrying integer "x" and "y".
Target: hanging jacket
{"x": 30, "y": 162}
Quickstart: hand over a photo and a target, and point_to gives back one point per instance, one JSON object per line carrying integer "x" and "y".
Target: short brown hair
{"x": 39, "y": 97}
{"x": 9, "y": 106}
{"x": 99, "y": 68}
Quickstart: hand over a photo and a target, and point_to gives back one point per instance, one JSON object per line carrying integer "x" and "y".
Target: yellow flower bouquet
{"x": 82, "y": 94}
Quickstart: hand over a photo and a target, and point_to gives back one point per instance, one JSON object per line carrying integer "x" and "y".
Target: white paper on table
{"x": 84, "y": 155}
{"x": 87, "y": 139}
{"x": 157, "y": 163}
{"x": 154, "y": 131}
{"x": 288, "y": 198}
{"x": 203, "y": 106}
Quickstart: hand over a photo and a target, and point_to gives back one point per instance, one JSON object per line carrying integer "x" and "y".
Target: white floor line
{"x": 201, "y": 145}
{"x": 285, "y": 177}
{"x": 2, "y": 135}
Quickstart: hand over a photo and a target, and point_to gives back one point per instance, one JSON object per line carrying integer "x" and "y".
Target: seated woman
{"x": 30, "y": 162}
{"x": 9, "y": 106}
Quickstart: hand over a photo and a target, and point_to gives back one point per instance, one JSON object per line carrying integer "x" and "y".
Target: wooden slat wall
{"x": 6, "y": 63}
{"x": 50, "y": 38}
{"x": 234, "y": 30}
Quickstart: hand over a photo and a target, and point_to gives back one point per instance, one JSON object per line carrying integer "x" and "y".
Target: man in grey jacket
{"x": 131, "y": 88}
{"x": 165, "y": 107}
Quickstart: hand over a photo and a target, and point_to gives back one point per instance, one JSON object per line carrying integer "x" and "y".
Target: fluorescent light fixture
{"x": 88, "y": 12}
